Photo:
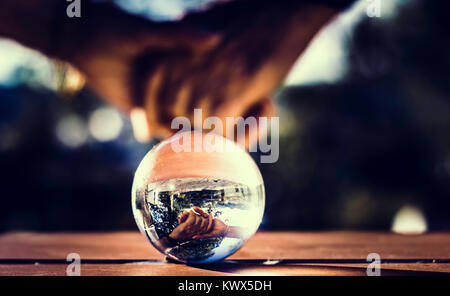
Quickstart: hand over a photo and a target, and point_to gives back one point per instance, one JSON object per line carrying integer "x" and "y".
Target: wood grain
{"x": 290, "y": 253}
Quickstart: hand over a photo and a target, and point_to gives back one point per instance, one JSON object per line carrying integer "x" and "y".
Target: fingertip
{"x": 183, "y": 217}
{"x": 201, "y": 212}
{"x": 191, "y": 217}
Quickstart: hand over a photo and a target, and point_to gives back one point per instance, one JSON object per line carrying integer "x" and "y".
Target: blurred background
{"x": 364, "y": 131}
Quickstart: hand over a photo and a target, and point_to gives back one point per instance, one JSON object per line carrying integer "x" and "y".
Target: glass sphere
{"x": 197, "y": 197}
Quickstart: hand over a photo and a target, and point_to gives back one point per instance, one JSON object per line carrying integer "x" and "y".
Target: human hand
{"x": 223, "y": 62}
{"x": 192, "y": 223}
{"x": 219, "y": 229}
{"x": 215, "y": 227}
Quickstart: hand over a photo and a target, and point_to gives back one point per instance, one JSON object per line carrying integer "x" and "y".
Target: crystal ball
{"x": 197, "y": 197}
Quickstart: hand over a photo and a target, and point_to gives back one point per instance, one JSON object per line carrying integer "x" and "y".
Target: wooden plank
{"x": 159, "y": 269}
{"x": 264, "y": 245}
{"x": 128, "y": 253}
{"x": 170, "y": 269}
{"x": 123, "y": 245}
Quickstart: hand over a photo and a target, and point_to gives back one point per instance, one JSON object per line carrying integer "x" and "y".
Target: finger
{"x": 139, "y": 123}
{"x": 179, "y": 107}
{"x": 252, "y": 112}
{"x": 204, "y": 225}
{"x": 265, "y": 109}
{"x": 180, "y": 37}
{"x": 191, "y": 218}
{"x": 148, "y": 93}
{"x": 198, "y": 221}
{"x": 185, "y": 214}
{"x": 210, "y": 223}
{"x": 201, "y": 236}
{"x": 183, "y": 217}
{"x": 200, "y": 211}
{"x": 196, "y": 211}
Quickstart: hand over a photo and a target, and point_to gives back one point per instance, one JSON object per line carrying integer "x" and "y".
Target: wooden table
{"x": 267, "y": 253}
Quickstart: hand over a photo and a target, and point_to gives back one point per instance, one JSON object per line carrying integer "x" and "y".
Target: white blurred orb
{"x": 105, "y": 124}
{"x": 72, "y": 131}
{"x": 409, "y": 220}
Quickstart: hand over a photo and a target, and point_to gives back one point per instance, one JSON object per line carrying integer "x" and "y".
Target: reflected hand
{"x": 219, "y": 229}
{"x": 215, "y": 227}
{"x": 192, "y": 223}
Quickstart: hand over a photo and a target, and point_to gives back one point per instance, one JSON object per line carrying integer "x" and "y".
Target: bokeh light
{"x": 72, "y": 131}
{"x": 409, "y": 220}
{"x": 105, "y": 124}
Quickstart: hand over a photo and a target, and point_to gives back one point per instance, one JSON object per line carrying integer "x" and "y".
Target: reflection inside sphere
{"x": 197, "y": 219}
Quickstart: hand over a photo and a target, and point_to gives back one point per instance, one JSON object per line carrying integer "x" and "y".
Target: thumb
{"x": 200, "y": 236}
